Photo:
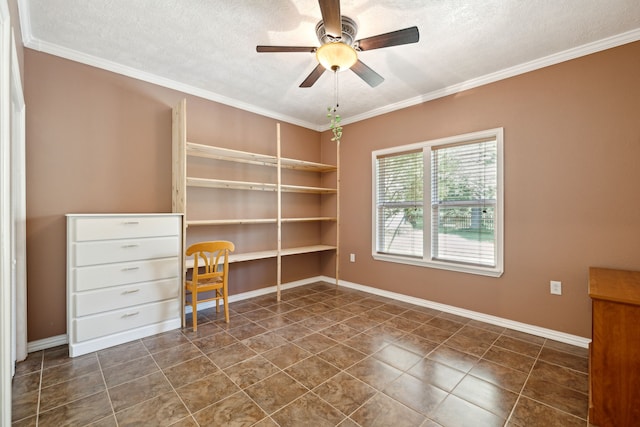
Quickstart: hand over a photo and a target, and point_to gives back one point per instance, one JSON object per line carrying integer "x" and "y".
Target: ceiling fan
{"x": 338, "y": 51}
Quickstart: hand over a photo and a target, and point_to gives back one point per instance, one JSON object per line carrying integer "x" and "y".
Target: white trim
{"x": 482, "y": 317}
{"x": 25, "y": 21}
{"x": 427, "y": 260}
{"x": 599, "y": 45}
{"x": 494, "y": 320}
{"x": 556, "y": 58}
{"x": 18, "y": 208}
{"x": 46, "y": 343}
{"x": 57, "y": 340}
{"x": 84, "y": 347}
{"x": 6, "y": 294}
{"x": 94, "y": 61}
{"x": 260, "y": 292}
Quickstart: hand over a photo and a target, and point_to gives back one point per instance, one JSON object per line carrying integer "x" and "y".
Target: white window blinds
{"x": 463, "y": 202}
{"x": 400, "y": 202}
{"x": 440, "y": 203}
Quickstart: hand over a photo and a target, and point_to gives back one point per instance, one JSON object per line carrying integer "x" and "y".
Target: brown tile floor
{"x": 324, "y": 356}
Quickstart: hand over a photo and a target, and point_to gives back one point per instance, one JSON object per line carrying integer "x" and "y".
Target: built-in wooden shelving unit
{"x": 183, "y": 150}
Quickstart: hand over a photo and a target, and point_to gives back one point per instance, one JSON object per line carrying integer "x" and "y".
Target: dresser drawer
{"x": 101, "y": 276}
{"x": 108, "y": 251}
{"x": 93, "y": 302}
{"x": 124, "y": 227}
{"x": 112, "y": 322}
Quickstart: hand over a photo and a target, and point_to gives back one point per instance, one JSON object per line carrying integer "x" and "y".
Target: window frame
{"x": 427, "y": 260}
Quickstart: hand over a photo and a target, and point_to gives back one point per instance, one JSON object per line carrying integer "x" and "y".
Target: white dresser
{"x": 123, "y": 278}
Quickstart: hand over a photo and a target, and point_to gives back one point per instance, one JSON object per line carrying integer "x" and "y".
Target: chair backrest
{"x": 210, "y": 259}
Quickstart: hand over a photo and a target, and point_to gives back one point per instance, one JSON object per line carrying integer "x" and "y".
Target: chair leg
{"x": 194, "y": 309}
{"x": 183, "y": 306}
{"x": 225, "y": 300}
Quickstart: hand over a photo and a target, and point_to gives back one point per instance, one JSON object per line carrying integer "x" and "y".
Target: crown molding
{"x": 556, "y": 58}
{"x": 73, "y": 55}
{"x": 33, "y": 43}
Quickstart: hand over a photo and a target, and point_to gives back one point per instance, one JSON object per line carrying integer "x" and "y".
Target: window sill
{"x": 461, "y": 268}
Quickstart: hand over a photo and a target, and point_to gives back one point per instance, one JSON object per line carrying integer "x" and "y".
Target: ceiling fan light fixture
{"x": 336, "y": 56}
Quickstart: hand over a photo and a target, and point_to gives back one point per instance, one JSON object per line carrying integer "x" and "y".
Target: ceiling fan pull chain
{"x": 335, "y": 85}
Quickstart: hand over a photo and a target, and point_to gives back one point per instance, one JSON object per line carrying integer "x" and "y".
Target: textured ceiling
{"x": 207, "y": 47}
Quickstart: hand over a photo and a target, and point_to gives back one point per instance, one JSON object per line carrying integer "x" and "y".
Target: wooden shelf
{"x": 207, "y": 151}
{"x": 306, "y": 249}
{"x": 310, "y": 219}
{"x": 240, "y": 221}
{"x": 232, "y": 185}
{"x": 255, "y": 186}
{"x": 252, "y": 256}
{"x": 304, "y": 189}
{"x": 231, "y": 221}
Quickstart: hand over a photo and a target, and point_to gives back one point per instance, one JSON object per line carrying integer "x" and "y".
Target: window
{"x": 440, "y": 203}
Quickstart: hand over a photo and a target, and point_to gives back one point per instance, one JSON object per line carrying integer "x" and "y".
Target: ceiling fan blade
{"x": 308, "y": 49}
{"x": 394, "y": 38}
{"x": 330, "y": 10}
{"x": 313, "y": 77}
{"x": 372, "y": 78}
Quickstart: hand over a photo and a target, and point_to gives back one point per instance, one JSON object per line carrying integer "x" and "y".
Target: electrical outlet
{"x": 352, "y": 257}
{"x": 555, "y": 287}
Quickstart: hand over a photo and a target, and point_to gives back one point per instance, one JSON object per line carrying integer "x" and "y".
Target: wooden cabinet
{"x": 614, "y": 364}
{"x": 123, "y": 278}
{"x": 253, "y": 199}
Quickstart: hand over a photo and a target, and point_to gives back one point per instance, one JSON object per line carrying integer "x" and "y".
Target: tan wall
{"x": 101, "y": 142}
{"x": 572, "y": 171}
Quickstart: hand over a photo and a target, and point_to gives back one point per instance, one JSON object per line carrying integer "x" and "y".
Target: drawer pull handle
{"x": 130, "y": 314}
{"x": 130, "y": 246}
{"x": 131, "y": 222}
{"x": 130, "y": 268}
{"x": 132, "y": 291}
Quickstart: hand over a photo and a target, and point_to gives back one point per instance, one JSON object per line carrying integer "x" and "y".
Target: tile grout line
{"x": 106, "y": 388}
{"x": 40, "y": 389}
{"x": 39, "y": 412}
{"x": 524, "y": 384}
{"x": 309, "y": 390}
{"x": 125, "y": 382}
{"x": 367, "y": 356}
{"x": 392, "y": 315}
{"x": 439, "y": 345}
{"x": 191, "y": 415}
{"x": 538, "y": 359}
{"x": 371, "y": 356}
{"x": 241, "y": 390}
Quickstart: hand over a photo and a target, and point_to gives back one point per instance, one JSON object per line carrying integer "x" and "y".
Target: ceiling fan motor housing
{"x": 349, "y": 31}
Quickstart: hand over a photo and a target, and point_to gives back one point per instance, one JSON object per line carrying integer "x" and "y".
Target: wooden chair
{"x": 210, "y": 273}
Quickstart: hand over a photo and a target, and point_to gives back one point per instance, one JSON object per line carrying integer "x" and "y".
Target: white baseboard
{"x": 46, "y": 343}
{"x": 262, "y": 291}
{"x": 494, "y": 320}
{"x": 89, "y": 346}
{"x": 57, "y": 340}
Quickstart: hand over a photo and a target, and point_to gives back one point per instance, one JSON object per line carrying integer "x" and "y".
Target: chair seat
{"x": 213, "y": 283}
